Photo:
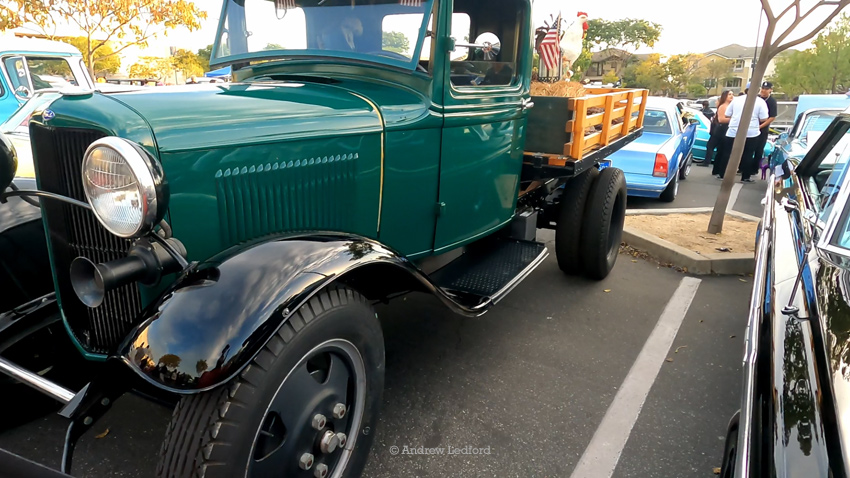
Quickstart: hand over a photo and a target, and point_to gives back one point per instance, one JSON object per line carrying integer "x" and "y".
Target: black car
{"x": 795, "y": 412}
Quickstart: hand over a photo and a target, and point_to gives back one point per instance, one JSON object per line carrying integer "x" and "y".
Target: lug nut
{"x": 321, "y": 471}
{"x": 339, "y": 410}
{"x": 329, "y": 442}
{"x": 306, "y": 461}
{"x": 319, "y": 421}
{"x": 341, "y": 438}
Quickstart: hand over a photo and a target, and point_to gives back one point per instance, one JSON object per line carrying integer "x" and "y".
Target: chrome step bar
{"x": 52, "y": 389}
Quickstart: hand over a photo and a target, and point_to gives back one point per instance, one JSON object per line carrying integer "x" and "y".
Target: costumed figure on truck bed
{"x": 559, "y": 47}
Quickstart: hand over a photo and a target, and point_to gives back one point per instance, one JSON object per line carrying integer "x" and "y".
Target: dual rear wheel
{"x": 590, "y": 223}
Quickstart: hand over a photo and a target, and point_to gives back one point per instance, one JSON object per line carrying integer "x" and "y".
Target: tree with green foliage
{"x": 824, "y": 68}
{"x": 717, "y": 70}
{"x": 204, "y": 55}
{"x": 130, "y": 22}
{"x": 627, "y": 34}
{"x": 395, "y": 41}
{"x": 187, "y": 62}
{"x": 273, "y": 46}
{"x": 106, "y": 62}
{"x": 151, "y": 67}
{"x": 683, "y": 71}
{"x": 610, "y": 78}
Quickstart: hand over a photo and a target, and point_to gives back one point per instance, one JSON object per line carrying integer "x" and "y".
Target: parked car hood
{"x": 209, "y": 116}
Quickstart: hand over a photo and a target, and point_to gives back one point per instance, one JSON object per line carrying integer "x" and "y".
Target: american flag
{"x": 550, "y": 50}
{"x": 410, "y": 3}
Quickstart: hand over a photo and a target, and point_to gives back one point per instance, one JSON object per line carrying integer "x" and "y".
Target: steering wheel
{"x": 397, "y": 56}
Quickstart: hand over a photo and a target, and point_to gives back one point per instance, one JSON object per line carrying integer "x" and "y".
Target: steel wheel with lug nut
{"x": 306, "y": 406}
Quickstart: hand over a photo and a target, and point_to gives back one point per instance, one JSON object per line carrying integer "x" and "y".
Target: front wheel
{"x": 307, "y": 405}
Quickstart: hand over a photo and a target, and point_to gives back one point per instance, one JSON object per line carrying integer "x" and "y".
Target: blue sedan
{"x": 655, "y": 162}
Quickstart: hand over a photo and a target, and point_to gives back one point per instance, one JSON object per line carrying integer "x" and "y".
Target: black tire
{"x": 686, "y": 170}
{"x": 570, "y": 219}
{"x": 671, "y": 191}
{"x": 602, "y": 231}
{"x": 214, "y": 434}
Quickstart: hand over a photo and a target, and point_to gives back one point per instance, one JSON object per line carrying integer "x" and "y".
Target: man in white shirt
{"x": 749, "y": 160}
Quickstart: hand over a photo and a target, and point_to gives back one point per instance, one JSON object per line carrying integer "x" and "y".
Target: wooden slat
{"x": 591, "y": 120}
{"x": 606, "y": 120}
{"x": 644, "y": 96}
{"x": 627, "y": 114}
{"x": 580, "y": 114}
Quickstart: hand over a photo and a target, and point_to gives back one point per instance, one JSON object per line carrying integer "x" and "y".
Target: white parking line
{"x": 733, "y": 196}
{"x": 602, "y": 454}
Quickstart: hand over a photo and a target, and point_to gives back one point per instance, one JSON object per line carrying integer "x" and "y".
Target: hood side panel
{"x": 225, "y": 196}
{"x": 209, "y": 116}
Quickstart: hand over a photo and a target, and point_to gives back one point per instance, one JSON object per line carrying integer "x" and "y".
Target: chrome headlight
{"x": 125, "y": 186}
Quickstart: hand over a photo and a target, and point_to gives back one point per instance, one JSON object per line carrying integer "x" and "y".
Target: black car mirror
{"x": 693, "y": 121}
{"x": 8, "y": 162}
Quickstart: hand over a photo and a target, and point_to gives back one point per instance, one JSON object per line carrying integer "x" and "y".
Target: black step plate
{"x": 486, "y": 268}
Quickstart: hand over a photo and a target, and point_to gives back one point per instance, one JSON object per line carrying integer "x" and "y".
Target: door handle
{"x": 526, "y": 104}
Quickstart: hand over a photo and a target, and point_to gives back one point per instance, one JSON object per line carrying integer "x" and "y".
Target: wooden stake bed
{"x": 566, "y": 132}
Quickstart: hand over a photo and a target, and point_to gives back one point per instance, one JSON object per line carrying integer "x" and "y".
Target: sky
{"x": 687, "y": 26}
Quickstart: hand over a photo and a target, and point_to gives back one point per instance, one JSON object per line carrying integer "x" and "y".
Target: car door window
{"x": 831, "y": 178}
{"x": 17, "y": 70}
{"x": 497, "y": 34}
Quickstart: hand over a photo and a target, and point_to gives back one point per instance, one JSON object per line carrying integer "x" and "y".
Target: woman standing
{"x": 719, "y": 125}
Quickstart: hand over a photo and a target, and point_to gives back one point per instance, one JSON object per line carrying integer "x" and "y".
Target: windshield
{"x": 831, "y": 175}
{"x": 813, "y": 125}
{"x": 385, "y": 31}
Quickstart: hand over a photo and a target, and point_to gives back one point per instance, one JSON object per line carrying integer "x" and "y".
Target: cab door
{"x": 485, "y": 101}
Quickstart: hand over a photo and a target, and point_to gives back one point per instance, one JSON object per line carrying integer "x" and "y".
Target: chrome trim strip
{"x": 501, "y": 293}
{"x": 54, "y": 390}
{"x": 751, "y": 340}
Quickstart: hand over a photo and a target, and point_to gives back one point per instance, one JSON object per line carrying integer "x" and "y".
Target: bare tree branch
{"x": 814, "y": 32}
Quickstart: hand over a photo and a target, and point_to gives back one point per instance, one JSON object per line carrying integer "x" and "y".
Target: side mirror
{"x": 693, "y": 121}
{"x": 23, "y": 92}
{"x": 487, "y": 46}
{"x": 8, "y": 162}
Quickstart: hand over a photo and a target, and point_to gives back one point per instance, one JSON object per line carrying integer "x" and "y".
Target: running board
{"x": 489, "y": 269}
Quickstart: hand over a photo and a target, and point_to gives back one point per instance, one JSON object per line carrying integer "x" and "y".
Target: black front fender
{"x": 218, "y": 316}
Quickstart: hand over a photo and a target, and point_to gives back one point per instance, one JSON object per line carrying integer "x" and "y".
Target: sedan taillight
{"x": 660, "y": 168}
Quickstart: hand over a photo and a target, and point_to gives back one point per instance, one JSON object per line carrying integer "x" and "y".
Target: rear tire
{"x": 605, "y": 215}
{"x": 570, "y": 220}
{"x": 260, "y": 423}
{"x": 686, "y": 170}
{"x": 671, "y": 191}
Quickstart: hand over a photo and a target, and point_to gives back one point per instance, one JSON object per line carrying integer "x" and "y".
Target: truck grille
{"x": 74, "y": 232}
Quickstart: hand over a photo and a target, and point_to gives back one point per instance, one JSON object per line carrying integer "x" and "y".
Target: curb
{"x": 721, "y": 263}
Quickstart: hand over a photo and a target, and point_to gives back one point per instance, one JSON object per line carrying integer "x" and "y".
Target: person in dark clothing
{"x": 706, "y": 110}
{"x": 734, "y": 112}
{"x": 764, "y": 127}
{"x": 719, "y": 125}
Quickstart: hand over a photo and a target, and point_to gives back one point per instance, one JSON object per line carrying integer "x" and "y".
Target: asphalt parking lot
{"x": 548, "y": 383}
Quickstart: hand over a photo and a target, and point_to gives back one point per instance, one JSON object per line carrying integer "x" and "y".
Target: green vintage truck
{"x": 221, "y": 246}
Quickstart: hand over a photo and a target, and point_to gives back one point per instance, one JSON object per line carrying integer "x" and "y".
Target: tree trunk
{"x": 715, "y": 225}
{"x": 90, "y": 57}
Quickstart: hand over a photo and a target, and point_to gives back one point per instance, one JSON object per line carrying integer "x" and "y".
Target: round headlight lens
{"x": 124, "y": 186}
